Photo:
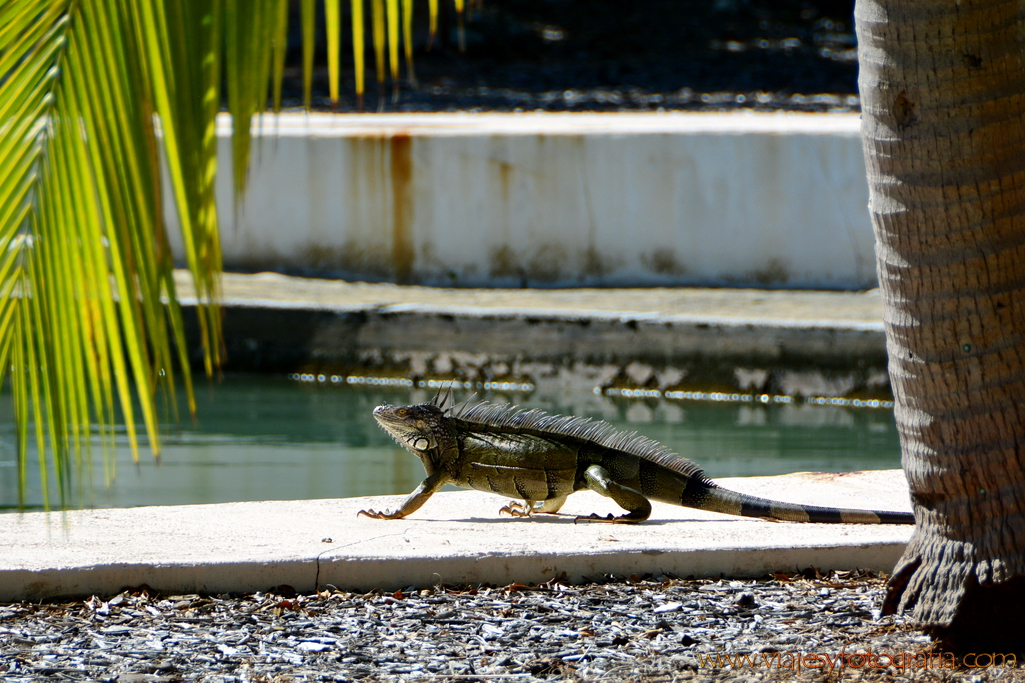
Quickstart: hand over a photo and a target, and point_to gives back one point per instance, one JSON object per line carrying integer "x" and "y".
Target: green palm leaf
{"x": 86, "y": 268}
{"x": 95, "y": 95}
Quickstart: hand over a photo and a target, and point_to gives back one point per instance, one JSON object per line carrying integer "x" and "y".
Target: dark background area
{"x": 579, "y": 55}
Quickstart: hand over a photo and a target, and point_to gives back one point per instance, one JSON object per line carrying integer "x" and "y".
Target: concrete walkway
{"x": 455, "y": 538}
{"x": 862, "y": 310}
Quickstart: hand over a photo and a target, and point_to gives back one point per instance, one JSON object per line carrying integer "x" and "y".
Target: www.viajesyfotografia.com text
{"x": 896, "y": 662}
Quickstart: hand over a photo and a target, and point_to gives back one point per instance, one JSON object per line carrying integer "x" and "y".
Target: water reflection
{"x": 264, "y": 438}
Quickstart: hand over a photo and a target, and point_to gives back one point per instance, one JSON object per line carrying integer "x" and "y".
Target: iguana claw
{"x": 515, "y": 510}
{"x": 374, "y": 514}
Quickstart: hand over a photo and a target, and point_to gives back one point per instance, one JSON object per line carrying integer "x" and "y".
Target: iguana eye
{"x": 401, "y": 412}
{"x": 421, "y": 444}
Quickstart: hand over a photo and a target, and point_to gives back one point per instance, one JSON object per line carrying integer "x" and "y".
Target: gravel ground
{"x": 642, "y": 629}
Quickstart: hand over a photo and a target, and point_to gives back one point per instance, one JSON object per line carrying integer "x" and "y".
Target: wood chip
{"x": 644, "y": 629}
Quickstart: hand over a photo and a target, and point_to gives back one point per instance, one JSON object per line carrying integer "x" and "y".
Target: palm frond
{"x": 86, "y": 266}
{"x": 97, "y": 100}
{"x": 333, "y": 21}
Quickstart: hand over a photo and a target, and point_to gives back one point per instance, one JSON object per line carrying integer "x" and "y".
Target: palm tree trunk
{"x": 943, "y": 100}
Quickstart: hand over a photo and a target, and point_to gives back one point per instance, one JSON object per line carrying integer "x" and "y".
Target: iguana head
{"x": 414, "y": 427}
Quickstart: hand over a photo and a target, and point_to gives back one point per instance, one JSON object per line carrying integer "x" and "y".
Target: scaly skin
{"x": 541, "y": 459}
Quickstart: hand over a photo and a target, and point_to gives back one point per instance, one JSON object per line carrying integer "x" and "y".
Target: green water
{"x": 271, "y": 438}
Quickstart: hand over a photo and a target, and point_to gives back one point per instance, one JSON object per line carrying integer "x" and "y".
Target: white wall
{"x": 555, "y": 199}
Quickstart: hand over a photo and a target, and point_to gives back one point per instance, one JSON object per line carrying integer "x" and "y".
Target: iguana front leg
{"x": 415, "y": 500}
{"x": 600, "y": 481}
{"x": 527, "y": 507}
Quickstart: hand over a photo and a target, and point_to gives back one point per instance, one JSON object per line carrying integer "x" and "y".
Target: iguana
{"x": 541, "y": 458}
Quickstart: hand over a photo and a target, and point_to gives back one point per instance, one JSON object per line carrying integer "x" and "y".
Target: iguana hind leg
{"x": 637, "y": 506}
{"x": 552, "y": 505}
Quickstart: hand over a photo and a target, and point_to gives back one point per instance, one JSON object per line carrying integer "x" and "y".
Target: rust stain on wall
{"x": 366, "y": 250}
{"x": 403, "y": 253}
{"x": 505, "y": 262}
{"x": 594, "y": 263}
{"x": 505, "y": 170}
{"x": 664, "y": 262}
{"x": 774, "y": 274}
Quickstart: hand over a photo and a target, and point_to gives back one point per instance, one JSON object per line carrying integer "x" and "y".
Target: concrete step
{"x": 455, "y": 538}
{"x": 790, "y": 342}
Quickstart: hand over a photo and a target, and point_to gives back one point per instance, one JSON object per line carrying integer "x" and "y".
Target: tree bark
{"x": 943, "y": 100}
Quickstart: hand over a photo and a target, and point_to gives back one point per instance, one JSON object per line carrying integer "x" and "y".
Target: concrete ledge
{"x": 776, "y": 341}
{"x": 630, "y": 199}
{"x": 455, "y": 538}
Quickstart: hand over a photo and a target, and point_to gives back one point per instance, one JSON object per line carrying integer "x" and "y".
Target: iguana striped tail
{"x": 706, "y": 495}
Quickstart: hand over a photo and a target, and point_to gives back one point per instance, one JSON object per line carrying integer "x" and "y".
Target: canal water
{"x": 274, "y": 438}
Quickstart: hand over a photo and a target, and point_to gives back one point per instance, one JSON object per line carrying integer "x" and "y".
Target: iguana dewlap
{"x": 541, "y": 458}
